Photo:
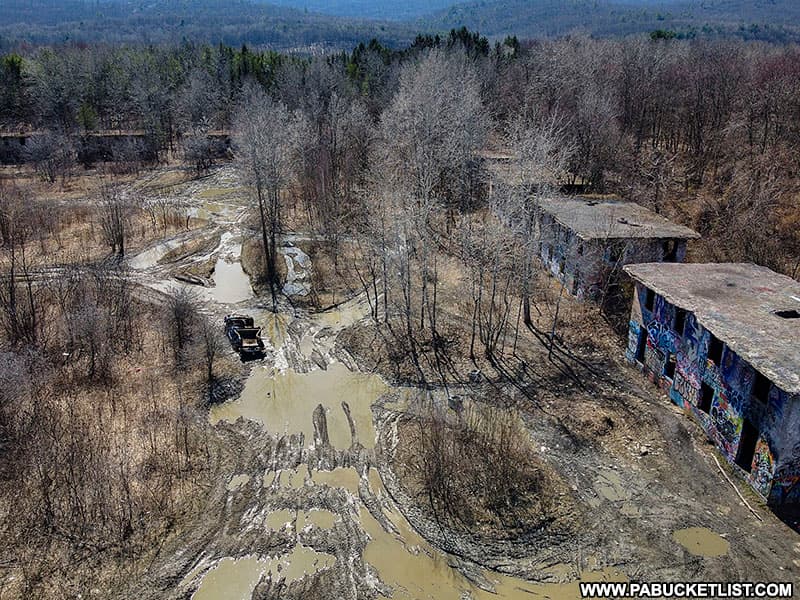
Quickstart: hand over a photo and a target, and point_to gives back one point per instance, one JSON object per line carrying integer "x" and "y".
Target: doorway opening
{"x": 747, "y": 446}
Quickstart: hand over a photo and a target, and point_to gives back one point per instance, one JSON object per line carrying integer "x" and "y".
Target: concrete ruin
{"x": 584, "y": 242}
{"x": 722, "y": 341}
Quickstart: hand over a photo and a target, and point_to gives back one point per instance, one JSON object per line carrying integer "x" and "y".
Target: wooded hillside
{"x": 296, "y": 24}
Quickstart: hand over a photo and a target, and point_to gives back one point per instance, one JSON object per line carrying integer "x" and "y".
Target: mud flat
{"x": 235, "y": 579}
{"x": 285, "y": 401}
{"x": 334, "y": 498}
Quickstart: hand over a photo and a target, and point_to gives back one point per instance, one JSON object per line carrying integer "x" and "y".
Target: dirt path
{"x": 305, "y": 505}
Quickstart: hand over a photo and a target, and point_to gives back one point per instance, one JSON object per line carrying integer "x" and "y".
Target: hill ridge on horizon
{"x": 286, "y": 24}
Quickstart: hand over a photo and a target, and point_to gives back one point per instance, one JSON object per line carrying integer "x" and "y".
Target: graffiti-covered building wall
{"x": 721, "y": 341}
{"x": 585, "y": 242}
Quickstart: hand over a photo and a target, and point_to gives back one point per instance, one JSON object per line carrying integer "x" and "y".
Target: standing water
{"x": 415, "y": 570}
{"x": 284, "y": 402}
{"x": 231, "y": 283}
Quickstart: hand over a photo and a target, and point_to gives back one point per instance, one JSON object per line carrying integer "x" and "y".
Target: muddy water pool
{"x": 283, "y": 401}
{"x": 701, "y": 541}
{"x": 149, "y": 258}
{"x": 235, "y": 579}
{"x": 231, "y": 283}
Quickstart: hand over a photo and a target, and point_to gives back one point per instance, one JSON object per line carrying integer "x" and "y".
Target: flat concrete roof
{"x": 605, "y": 218}
{"x": 737, "y": 302}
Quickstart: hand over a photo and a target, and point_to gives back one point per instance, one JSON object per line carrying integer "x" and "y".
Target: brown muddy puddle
{"x": 276, "y": 328}
{"x": 405, "y": 561}
{"x": 701, "y": 541}
{"x": 212, "y": 211}
{"x": 286, "y": 401}
{"x": 150, "y": 257}
{"x": 235, "y": 579}
{"x": 344, "y": 315}
{"x": 324, "y": 519}
{"x": 237, "y": 481}
{"x": 417, "y": 571}
{"x": 343, "y": 477}
{"x": 231, "y": 283}
{"x": 279, "y": 519}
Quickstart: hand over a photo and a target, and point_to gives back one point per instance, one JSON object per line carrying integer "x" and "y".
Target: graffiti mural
{"x": 683, "y": 389}
{"x": 775, "y": 470}
{"x": 662, "y": 311}
{"x": 775, "y": 407}
{"x": 654, "y": 360}
{"x": 633, "y": 340}
{"x": 662, "y": 336}
{"x": 763, "y": 467}
{"x": 688, "y": 370}
{"x": 691, "y": 339}
{"x": 727, "y": 422}
{"x": 786, "y": 470}
{"x": 736, "y": 372}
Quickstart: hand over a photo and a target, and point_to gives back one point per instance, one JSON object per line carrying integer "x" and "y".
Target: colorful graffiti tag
{"x": 727, "y": 423}
{"x": 662, "y": 311}
{"x": 654, "y": 360}
{"x": 633, "y": 341}
{"x": 775, "y": 469}
{"x": 737, "y": 373}
{"x": 762, "y": 468}
{"x": 682, "y": 390}
{"x": 662, "y": 337}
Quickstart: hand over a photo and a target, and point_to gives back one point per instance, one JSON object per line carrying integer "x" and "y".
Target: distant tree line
{"x": 262, "y": 24}
{"x": 704, "y": 131}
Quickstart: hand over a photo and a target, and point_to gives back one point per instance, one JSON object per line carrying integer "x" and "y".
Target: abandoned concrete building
{"x": 722, "y": 341}
{"x": 585, "y": 242}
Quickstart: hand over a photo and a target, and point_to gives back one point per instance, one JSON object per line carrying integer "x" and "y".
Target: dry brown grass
{"x": 110, "y": 469}
{"x": 104, "y": 448}
{"x": 333, "y": 275}
{"x": 478, "y": 470}
{"x": 253, "y": 262}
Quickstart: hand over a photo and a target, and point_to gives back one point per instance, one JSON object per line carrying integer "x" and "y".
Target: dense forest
{"x": 705, "y": 131}
{"x": 40, "y": 22}
{"x": 769, "y": 20}
{"x": 293, "y": 25}
{"x": 368, "y": 9}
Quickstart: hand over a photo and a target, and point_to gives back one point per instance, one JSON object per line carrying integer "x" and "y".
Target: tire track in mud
{"x": 626, "y": 516}
{"x": 235, "y": 523}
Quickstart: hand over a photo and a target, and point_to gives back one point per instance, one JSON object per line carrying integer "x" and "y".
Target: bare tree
{"x": 487, "y": 251}
{"x": 213, "y": 345}
{"x": 114, "y": 213}
{"x": 181, "y": 319}
{"x": 20, "y": 298}
{"x": 52, "y": 155}
{"x": 429, "y": 138}
{"x": 432, "y": 129}
{"x": 266, "y": 138}
{"x": 541, "y": 152}
{"x": 336, "y": 166}
{"x": 200, "y": 149}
